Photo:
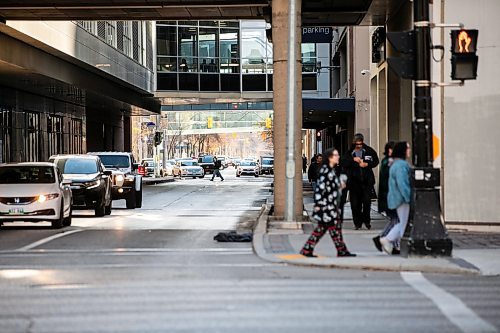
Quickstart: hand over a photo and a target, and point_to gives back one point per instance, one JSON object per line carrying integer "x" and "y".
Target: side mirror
{"x": 108, "y": 172}
{"x": 135, "y": 166}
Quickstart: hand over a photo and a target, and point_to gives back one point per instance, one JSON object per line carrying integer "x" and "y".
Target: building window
{"x": 32, "y": 136}
{"x": 309, "y": 82}
{"x": 166, "y": 41}
{"x": 229, "y": 51}
{"x": 5, "y": 135}
{"x": 309, "y": 58}
{"x": 76, "y": 137}
{"x": 55, "y": 135}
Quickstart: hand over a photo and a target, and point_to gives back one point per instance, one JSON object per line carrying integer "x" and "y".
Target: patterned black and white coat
{"x": 327, "y": 197}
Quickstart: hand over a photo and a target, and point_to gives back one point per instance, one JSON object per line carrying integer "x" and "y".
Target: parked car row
{"x": 50, "y": 191}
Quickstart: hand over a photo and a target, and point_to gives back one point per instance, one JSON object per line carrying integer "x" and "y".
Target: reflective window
{"x": 308, "y": 57}
{"x": 166, "y": 40}
{"x": 208, "y": 47}
{"x": 229, "y": 51}
{"x": 166, "y": 64}
{"x": 188, "y": 38}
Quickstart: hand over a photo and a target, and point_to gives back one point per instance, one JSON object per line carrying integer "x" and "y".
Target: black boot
{"x": 376, "y": 241}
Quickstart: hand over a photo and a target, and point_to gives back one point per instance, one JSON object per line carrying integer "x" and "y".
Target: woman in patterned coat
{"x": 327, "y": 196}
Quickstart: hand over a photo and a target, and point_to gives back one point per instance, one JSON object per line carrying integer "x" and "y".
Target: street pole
{"x": 290, "y": 112}
{"x": 426, "y": 233}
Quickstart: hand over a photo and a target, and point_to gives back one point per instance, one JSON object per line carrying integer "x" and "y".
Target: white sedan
{"x": 34, "y": 192}
{"x": 188, "y": 168}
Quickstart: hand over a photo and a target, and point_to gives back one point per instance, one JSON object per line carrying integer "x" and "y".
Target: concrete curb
{"x": 382, "y": 263}
{"x": 154, "y": 181}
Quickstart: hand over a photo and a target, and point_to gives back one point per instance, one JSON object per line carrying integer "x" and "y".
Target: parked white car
{"x": 34, "y": 192}
{"x": 167, "y": 169}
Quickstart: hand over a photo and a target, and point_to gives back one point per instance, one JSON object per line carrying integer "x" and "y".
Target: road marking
{"x": 451, "y": 306}
{"x": 46, "y": 240}
{"x": 129, "y": 251}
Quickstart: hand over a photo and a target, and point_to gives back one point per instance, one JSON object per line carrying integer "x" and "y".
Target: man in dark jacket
{"x": 217, "y": 166}
{"x": 358, "y": 164}
{"x": 313, "y": 172}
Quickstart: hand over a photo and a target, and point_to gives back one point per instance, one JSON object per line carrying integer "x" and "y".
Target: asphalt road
{"x": 157, "y": 269}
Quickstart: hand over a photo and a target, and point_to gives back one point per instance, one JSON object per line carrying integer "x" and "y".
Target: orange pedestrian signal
{"x": 463, "y": 54}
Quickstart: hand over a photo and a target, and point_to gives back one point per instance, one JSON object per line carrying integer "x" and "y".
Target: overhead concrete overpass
{"x": 319, "y": 12}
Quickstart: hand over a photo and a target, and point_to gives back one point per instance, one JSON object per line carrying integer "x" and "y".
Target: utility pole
{"x": 426, "y": 233}
{"x": 290, "y": 112}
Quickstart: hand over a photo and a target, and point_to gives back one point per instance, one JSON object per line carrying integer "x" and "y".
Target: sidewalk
{"x": 474, "y": 253}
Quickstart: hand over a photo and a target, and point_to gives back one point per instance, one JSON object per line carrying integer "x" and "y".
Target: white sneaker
{"x": 386, "y": 245}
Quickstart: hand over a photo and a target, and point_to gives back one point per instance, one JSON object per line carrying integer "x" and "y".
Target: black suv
{"x": 127, "y": 183}
{"x": 207, "y": 163}
{"x": 90, "y": 183}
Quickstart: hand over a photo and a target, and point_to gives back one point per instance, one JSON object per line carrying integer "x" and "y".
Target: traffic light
{"x": 269, "y": 122}
{"x": 210, "y": 122}
{"x": 404, "y": 43}
{"x": 463, "y": 54}
{"x": 158, "y": 138}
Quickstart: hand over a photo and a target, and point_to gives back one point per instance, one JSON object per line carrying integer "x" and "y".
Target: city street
{"x": 158, "y": 269}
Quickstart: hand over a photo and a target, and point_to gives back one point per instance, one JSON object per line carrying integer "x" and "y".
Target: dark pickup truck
{"x": 207, "y": 163}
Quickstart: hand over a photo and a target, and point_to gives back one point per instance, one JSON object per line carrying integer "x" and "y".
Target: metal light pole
{"x": 290, "y": 112}
{"x": 426, "y": 233}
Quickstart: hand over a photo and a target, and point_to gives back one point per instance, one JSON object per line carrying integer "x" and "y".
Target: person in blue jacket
{"x": 399, "y": 194}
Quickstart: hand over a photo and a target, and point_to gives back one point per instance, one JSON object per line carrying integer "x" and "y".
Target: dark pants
{"x": 217, "y": 173}
{"x": 335, "y": 231}
{"x": 361, "y": 202}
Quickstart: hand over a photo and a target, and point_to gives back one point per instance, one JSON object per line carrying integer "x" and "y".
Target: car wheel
{"x": 100, "y": 210}
{"x": 67, "y": 220}
{"x": 238, "y": 175}
{"x": 107, "y": 209}
{"x": 138, "y": 199}
{"x": 58, "y": 224}
{"x": 131, "y": 201}
{"x": 256, "y": 175}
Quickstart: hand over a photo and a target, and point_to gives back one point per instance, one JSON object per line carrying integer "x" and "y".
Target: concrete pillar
{"x": 280, "y": 46}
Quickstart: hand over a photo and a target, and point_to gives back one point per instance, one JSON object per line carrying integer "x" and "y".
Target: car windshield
{"x": 206, "y": 159}
{"x": 247, "y": 163}
{"x": 267, "y": 161}
{"x": 189, "y": 163}
{"x": 27, "y": 175}
{"x": 115, "y": 161}
{"x": 77, "y": 166}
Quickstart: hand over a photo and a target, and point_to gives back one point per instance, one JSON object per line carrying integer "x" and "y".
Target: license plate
{"x": 16, "y": 211}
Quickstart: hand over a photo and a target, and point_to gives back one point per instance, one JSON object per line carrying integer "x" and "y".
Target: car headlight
{"x": 119, "y": 178}
{"x": 94, "y": 183}
{"x": 44, "y": 197}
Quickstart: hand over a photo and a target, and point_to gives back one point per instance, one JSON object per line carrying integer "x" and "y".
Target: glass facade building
{"x": 220, "y": 56}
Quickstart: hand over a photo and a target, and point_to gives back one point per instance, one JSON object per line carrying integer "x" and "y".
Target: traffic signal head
{"x": 269, "y": 122}
{"x": 404, "y": 43}
{"x": 463, "y": 54}
{"x": 158, "y": 138}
